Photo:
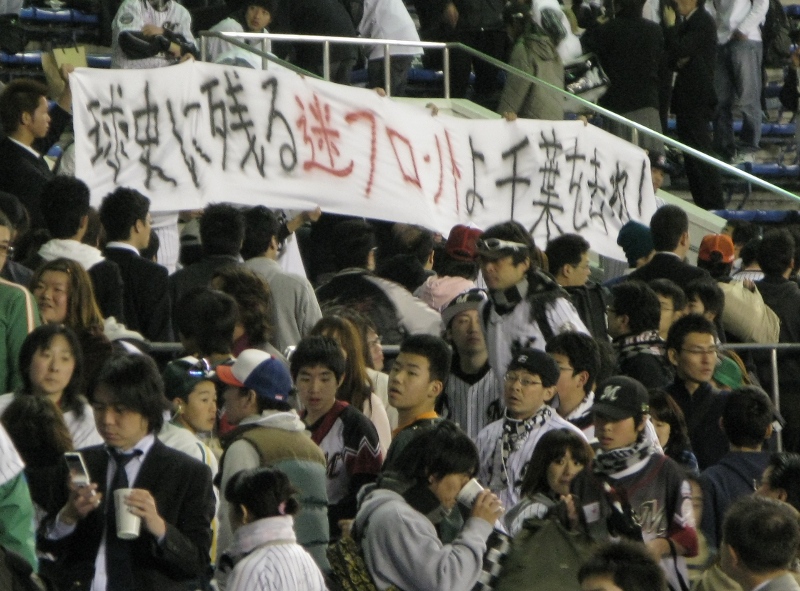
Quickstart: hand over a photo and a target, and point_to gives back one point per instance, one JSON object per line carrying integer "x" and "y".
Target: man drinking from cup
{"x": 93, "y": 536}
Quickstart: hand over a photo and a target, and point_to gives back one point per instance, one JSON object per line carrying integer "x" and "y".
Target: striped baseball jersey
{"x": 135, "y": 14}
{"x": 473, "y": 401}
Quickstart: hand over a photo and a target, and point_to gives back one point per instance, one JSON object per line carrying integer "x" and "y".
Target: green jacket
{"x": 19, "y": 315}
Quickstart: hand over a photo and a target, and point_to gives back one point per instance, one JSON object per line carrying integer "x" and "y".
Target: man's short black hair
{"x": 667, "y": 225}
{"x": 785, "y": 474}
{"x": 747, "y": 415}
{"x": 352, "y": 241}
{"x": 64, "y": 201}
{"x": 582, "y": 352}
{"x": 744, "y": 232}
{"x": 260, "y": 225}
{"x": 639, "y": 302}
{"x": 19, "y": 96}
{"x": 670, "y": 289}
{"x": 413, "y": 240}
{"x": 434, "y": 349}
{"x": 207, "y": 317}
{"x": 776, "y": 252}
{"x": 221, "y": 229}
{"x": 764, "y": 533}
{"x": 120, "y": 211}
{"x": 316, "y": 350}
{"x": 567, "y": 249}
{"x": 134, "y": 382}
{"x": 686, "y": 325}
{"x": 512, "y": 231}
{"x": 441, "y": 450}
{"x": 627, "y": 563}
{"x": 708, "y": 292}
{"x": 749, "y": 252}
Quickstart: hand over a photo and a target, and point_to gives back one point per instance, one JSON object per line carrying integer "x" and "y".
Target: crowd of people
{"x": 527, "y": 404}
{"x": 526, "y": 401}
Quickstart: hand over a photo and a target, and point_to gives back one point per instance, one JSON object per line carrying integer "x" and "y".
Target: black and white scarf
{"x": 608, "y": 463}
{"x": 515, "y": 433}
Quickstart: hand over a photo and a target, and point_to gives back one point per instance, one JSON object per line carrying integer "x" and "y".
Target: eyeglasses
{"x": 6, "y": 250}
{"x": 700, "y": 352}
{"x": 512, "y": 378}
{"x": 495, "y": 244}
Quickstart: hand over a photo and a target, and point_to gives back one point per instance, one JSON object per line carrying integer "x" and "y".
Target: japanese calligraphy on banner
{"x": 197, "y": 133}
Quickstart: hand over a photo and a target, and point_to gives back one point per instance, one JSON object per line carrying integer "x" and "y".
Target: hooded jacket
{"x": 279, "y": 440}
{"x": 736, "y": 474}
{"x": 395, "y": 535}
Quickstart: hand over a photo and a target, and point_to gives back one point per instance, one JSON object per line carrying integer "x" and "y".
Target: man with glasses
{"x": 526, "y": 307}
{"x": 505, "y": 446}
{"x": 568, "y": 258}
{"x": 125, "y": 215}
{"x": 692, "y": 350}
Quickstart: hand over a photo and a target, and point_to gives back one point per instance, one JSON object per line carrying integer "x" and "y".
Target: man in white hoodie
{"x": 270, "y": 434}
{"x": 65, "y": 207}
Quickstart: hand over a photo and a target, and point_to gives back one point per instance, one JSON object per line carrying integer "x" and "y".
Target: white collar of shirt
{"x": 21, "y": 145}
{"x": 123, "y": 246}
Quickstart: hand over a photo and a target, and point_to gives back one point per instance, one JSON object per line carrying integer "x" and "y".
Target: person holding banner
{"x": 526, "y": 307}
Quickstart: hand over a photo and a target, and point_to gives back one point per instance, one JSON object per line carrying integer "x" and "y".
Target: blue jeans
{"x": 737, "y": 81}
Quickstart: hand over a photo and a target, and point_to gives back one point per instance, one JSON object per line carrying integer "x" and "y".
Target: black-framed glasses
{"x": 495, "y": 244}
{"x": 512, "y": 378}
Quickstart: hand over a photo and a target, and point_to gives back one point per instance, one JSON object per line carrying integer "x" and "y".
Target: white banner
{"x": 197, "y": 133}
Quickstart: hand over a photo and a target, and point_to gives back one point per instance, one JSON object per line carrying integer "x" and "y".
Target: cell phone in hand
{"x": 78, "y": 474}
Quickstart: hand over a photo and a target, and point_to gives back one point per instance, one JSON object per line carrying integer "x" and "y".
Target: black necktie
{"x": 119, "y": 568}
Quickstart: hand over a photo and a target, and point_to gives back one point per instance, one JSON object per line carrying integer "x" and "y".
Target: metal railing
{"x": 446, "y": 48}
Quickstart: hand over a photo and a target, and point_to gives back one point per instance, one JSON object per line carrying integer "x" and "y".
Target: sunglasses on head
{"x": 202, "y": 369}
{"x": 495, "y": 244}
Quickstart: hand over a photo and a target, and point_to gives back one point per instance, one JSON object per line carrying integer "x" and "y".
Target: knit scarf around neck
{"x": 608, "y": 463}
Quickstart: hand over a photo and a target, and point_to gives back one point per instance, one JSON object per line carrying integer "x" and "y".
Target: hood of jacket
{"x": 437, "y": 291}
{"x": 88, "y": 256}
{"x": 286, "y": 420}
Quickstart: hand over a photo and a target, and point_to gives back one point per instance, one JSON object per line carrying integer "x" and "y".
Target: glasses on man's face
{"x": 525, "y": 382}
{"x": 7, "y": 250}
{"x": 700, "y": 351}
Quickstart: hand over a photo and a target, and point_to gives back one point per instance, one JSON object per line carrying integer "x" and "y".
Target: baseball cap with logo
{"x": 258, "y": 371}
{"x": 539, "y": 363}
{"x": 471, "y": 299}
{"x": 621, "y": 397}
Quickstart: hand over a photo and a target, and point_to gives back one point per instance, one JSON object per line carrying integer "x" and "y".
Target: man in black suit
{"x": 125, "y": 215}
{"x": 171, "y": 493}
{"x": 669, "y": 228}
{"x": 221, "y": 236}
{"x": 692, "y": 53}
{"x": 31, "y": 129}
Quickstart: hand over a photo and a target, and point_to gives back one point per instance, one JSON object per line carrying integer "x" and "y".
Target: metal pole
{"x": 203, "y": 48}
{"x": 776, "y": 395}
{"x": 264, "y": 61}
{"x": 326, "y": 60}
{"x": 635, "y": 136}
{"x": 387, "y": 70}
{"x": 446, "y": 71}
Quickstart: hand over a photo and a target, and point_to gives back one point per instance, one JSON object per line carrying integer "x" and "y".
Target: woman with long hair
{"x": 557, "y": 458}
{"x": 51, "y": 363}
{"x": 670, "y": 426}
{"x": 64, "y": 292}
{"x": 356, "y": 388}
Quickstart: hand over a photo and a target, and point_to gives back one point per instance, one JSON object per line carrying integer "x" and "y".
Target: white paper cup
{"x": 469, "y": 493}
{"x": 128, "y": 524}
